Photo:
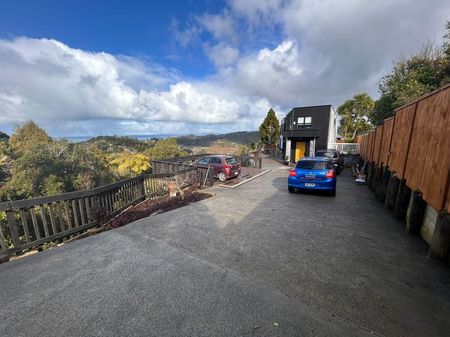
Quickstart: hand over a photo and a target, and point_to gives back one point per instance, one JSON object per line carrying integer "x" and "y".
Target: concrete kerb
{"x": 246, "y": 181}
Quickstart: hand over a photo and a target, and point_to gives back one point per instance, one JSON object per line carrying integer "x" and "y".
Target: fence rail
{"x": 347, "y": 148}
{"x": 33, "y": 222}
{"x": 415, "y": 146}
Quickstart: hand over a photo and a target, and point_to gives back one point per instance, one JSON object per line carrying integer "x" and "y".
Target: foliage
{"x": 413, "y": 77}
{"x": 28, "y": 135}
{"x": 354, "y": 115}
{"x": 114, "y": 144}
{"x": 3, "y": 136}
{"x": 5, "y": 161}
{"x": 131, "y": 164}
{"x": 165, "y": 148}
{"x": 269, "y": 131}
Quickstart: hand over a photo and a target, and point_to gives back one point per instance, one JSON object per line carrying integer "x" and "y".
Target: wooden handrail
{"x": 32, "y": 222}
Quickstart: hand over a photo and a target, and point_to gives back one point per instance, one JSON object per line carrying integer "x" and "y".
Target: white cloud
{"x": 54, "y": 84}
{"x": 319, "y": 52}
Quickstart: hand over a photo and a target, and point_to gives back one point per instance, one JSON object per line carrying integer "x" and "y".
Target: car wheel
{"x": 338, "y": 171}
{"x": 333, "y": 193}
{"x": 222, "y": 176}
{"x": 291, "y": 189}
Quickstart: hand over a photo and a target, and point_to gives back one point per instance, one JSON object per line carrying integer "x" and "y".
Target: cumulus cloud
{"x": 50, "y": 82}
{"x": 319, "y": 52}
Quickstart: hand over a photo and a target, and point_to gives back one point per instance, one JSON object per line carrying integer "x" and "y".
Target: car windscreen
{"x": 312, "y": 165}
{"x": 231, "y": 160}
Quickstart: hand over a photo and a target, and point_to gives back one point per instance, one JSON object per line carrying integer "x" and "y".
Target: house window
{"x": 304, "y": 122}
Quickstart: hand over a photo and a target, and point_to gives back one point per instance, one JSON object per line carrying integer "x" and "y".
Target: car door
{"x": 216, "y": 163}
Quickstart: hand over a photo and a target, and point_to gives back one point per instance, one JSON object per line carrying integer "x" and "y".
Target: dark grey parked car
{"x": 335, "y": 157}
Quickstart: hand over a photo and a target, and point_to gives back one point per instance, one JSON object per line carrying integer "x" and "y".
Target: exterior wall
{"x": 332, "y": 128}
{"x": 323, "y": 125}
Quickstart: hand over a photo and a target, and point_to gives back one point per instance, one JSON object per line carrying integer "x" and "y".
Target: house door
{"x": 300, "y": 148}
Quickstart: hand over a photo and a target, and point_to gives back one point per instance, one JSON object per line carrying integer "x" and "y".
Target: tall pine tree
{"x": 269, "y": 130}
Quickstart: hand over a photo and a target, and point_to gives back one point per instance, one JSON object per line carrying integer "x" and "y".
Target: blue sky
{"x": 143, "y": 67}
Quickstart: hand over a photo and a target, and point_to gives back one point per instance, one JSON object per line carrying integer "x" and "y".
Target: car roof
{"x": 327, "y": 150}
{"x": 314, "y": 159}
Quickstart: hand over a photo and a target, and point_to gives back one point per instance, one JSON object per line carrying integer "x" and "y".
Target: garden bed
{"x": 152, "y": 206}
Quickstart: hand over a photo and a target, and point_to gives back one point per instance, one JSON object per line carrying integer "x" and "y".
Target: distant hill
{"x": 3, "y": 135}
{"x": 241, "y": 137}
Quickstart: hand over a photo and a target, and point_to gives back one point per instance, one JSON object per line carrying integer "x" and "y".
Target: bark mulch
{"x": 152, "y": 206}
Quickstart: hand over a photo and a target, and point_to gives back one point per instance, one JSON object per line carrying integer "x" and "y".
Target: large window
{"x": 303, "y": 122}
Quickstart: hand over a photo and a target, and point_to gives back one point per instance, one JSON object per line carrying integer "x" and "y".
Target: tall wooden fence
{"x": 415, "y": 145}
{"x": 33, "y": 222}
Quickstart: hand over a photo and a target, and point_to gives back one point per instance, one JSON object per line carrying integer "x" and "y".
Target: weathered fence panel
{"x": 370, "y": 143}
{"x": 415, "y": 144}
{"x": 435, "y": 177}
{"x": 404, "y": 119}
{"x": 377, "y": 145}
{"x": 386, "y": 140}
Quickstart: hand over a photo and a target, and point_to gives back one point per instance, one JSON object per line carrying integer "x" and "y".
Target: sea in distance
{"x": 77, "y": 139}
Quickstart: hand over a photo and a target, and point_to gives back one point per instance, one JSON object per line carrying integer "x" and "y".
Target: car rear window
{"x": 231, "y": 160}
{"x": 324, "y": 154}
{"x": 313, "y": 165}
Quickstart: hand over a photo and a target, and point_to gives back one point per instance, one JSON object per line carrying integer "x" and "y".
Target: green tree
{"x": 269, "y": 130}
{"x": 165, "y": 148}
{"x": 27, "y": 136}
{"x": 31, "y": 171}
{"x": 5, "y": 162}
{"x": 90, "y": 167}
{"x": 413, "y": 77}
{"x": 355, "y": 114}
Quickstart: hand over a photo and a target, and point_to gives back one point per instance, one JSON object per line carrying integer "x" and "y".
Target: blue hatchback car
{"x": 313, "y": 173}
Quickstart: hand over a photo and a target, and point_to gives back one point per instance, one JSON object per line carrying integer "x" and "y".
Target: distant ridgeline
{"x": 3, "y": 135}
{"x": 242, "y": 137}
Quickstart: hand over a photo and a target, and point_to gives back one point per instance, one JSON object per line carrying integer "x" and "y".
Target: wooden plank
{"x": 27, "y": 203}
{"x": 13, "y": 230}
{"x": 37, "y": 234}
{"x": 420, "y": 142}
{"x": 88, "y": 210}
{"x": 82, "y": 211}
{"x": 62, "y": 225}
{"x": 404, "y": 119}
{"x": 44, "y": 220}
{"x": 388, "y": 126}
{"x": 68, "y": 215}
{"x": 23, "y": 218}
{"x": 52, "y": 218}
{"x": 53, "y": 237}
{"x": 3, "y": 246}
{"x": 377, "y": 145}
{"x": 75, "y": 213}
{"x": 435, "y": 175}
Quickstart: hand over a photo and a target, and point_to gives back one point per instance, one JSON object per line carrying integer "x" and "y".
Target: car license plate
{"x": 309, "y": 185}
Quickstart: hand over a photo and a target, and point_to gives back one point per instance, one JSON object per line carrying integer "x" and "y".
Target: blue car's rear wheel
{"x": 291, "y": 189}
{"x": 333, "y": 193}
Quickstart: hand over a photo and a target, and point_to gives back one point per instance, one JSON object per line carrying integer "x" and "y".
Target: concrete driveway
{"x": 252, "y": 261}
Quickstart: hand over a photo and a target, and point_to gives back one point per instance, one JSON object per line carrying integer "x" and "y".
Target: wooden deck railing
{"x": 32, "y": 222}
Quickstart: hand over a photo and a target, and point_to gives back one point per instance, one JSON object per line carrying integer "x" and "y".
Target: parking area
{"x": 252, "y": 261}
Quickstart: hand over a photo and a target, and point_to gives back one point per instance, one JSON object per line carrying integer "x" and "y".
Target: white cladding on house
{"x": 332, "y": 128}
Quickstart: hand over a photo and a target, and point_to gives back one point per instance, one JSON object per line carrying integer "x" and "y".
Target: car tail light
{"x": 330, "y": 174}
{"x": 227, "y": 167}
{"x": 292, "y": 173}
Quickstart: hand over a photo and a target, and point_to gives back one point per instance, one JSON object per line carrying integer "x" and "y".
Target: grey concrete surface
{"x": 253, "y": 261}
